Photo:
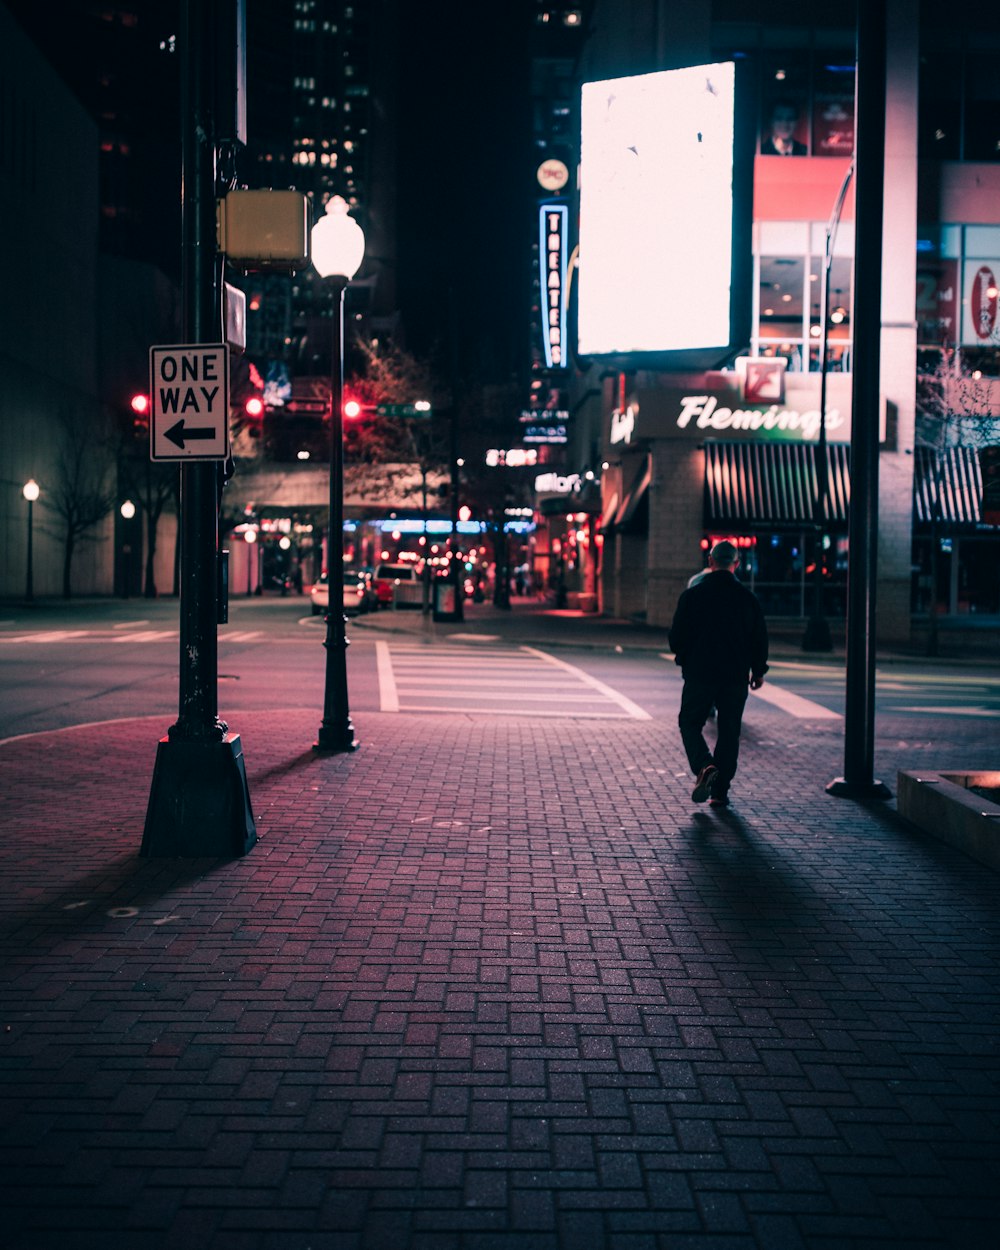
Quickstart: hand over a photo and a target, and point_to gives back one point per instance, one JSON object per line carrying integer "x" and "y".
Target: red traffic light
{"x": 254, "y": 406}
{"x": 140, "y": 404}
{"x": 352, "y": 408}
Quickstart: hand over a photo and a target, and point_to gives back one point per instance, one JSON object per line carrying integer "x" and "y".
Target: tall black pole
{"x": 817, "y": 633}
{"x": 29, "y": 589}
{"x": 456, "y": 564}
{"x": 869, "y": 130}
{"x": 336, "y": 733}
{"x": 201, "y": 320}
{"x": 199, "y": 802}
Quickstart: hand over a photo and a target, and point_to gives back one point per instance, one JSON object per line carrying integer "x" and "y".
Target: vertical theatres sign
{"x": 553, "y": 219}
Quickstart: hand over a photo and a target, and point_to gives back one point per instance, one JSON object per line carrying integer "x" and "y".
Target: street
{"x": 91, "y": 662}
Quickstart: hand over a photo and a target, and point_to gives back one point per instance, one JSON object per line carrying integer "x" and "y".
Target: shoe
{"x": 718, "y": 800}
{"x": 703, "y": 786}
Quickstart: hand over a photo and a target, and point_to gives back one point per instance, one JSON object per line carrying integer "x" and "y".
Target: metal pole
{"x": 817, "y": 633}
{"x": 199, "y": 802}
{"x": 198, "y": 696}
{"x": 336, "y": 733}
{"x": 455, "y": 563}
{"x": 869, "y": 129}
{"x": 29, "y": 589}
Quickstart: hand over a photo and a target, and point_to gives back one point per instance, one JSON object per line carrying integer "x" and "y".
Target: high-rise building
{"x": 688, "y": 452}
{"x": 120, "y": 61}
{"x": 319, "y": 74}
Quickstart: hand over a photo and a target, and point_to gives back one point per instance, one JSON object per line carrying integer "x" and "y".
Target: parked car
{"x": 320, "y": 595}
{"x": 398, "y": 585}
{"x": 358, "y": 595}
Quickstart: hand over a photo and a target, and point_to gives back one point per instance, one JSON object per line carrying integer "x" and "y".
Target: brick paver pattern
{"x": 491, "y": 984}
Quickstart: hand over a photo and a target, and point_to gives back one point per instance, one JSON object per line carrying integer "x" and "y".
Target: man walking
{"x": 719, "y": 638}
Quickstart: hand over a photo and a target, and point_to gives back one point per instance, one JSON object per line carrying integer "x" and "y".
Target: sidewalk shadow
{"x": 750, "y": 878}
{"x": 117, "y": 891}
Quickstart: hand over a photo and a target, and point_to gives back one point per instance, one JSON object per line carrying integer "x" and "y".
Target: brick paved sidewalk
{"x": 490, "y": 985}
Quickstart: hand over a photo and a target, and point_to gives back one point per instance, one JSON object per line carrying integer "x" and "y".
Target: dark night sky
{"x": 464, "y": 188}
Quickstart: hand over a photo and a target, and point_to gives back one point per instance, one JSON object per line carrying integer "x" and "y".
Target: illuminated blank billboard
{"x": 657, "y": 203}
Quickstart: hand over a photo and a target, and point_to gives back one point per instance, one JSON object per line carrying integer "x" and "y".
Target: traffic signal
{"x": 352, "y": 408}
{"x": 140, "y": 408}
{"x": 254, "y": 407}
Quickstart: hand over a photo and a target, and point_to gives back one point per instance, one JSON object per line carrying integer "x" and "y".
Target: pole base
{"x": 199, "y": 802}
{"x": 841, "y": 788}
{"x": 817, "y": 635}
{"x": 331, "y": 740}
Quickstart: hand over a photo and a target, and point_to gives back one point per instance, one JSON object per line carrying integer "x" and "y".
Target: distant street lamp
{"x": 30, "y": 491}
{"x": 127, "y": 510}
{"x": 250, "y": 537}
{"x": 338, "y": 248}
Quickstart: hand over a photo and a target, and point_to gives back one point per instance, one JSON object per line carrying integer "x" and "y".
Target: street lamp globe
{"x": 31, "y": 490}
{"x": 337, "y": 242}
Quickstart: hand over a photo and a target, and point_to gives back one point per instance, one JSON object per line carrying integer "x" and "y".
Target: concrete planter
{"x": 945, "y": 805}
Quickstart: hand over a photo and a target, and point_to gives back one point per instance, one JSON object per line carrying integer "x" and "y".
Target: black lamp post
{"x": 817, "y": 632}
{"x": 338, "y": 248}
{"x": 30, "y": 491}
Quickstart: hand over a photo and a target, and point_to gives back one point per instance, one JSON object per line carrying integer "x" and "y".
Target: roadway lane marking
{"x": 240, "y": 635}
{"x": 387, "y": 693}
{"x": 147, "y": 635}
{"x": 794, "y": 704}
{"x": 632, "y": 709}
{"x": 948, "y": 711}
{"x": 53, "y": 635}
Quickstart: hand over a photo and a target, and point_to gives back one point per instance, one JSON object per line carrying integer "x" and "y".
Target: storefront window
{"x": 833, "y": 105}
{"x": 789, "y": 262}
{"x": 982, "y": 108}
{"x": 939, "y": 124}
{"x": 784, "y": 129}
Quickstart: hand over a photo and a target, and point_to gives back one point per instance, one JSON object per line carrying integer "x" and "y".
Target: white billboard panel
{"x": 656, "y": 211}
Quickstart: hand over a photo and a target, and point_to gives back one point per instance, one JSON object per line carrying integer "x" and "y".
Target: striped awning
{"x": 773, "y": 484}
{"x": 953, "y": 478}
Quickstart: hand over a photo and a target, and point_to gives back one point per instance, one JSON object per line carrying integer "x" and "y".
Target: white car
{"x": 358, "y": 595}
{"x": 403, "y": 583}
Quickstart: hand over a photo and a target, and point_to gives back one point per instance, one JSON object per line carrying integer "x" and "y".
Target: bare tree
{"x": 955, "y": 408}
{"x": 154, "y": 487}
{"x": 84, "y": 492}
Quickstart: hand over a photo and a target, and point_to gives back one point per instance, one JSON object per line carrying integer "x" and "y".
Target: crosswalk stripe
{"x": 633, "y": 709}
{"x": 794, "y": 704}
{"x": 415, "y": 678}
{"x": 388, "y": 694}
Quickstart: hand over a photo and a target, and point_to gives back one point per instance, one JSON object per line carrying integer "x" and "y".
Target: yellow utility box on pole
{"x": 264, "y": 230}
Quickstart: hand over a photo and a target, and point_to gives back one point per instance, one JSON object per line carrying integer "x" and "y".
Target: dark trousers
{"x": 699, "y": 696}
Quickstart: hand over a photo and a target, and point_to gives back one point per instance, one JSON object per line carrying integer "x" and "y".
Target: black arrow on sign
{"x": 177, "y": 433}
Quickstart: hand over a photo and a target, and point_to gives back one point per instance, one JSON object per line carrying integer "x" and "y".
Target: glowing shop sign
{"x": 623, "y": 424}
{"x": 511, "y": 457}
{"x": 553, "y": 219}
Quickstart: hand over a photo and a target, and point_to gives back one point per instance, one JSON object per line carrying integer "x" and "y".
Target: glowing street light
{"x": 30, "y": 491}
{"x": 338, "y": 248}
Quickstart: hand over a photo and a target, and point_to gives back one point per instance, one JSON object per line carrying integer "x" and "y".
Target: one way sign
{"x": 189, "y": 413}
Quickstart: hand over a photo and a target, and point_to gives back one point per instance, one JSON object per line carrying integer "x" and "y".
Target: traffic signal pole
{"x": 199, "y": 802}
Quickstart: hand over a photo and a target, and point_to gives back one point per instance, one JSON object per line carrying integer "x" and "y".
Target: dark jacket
{"x": 719, "y": 630}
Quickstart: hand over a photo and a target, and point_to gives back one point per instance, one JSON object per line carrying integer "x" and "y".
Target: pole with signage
{"x": 199, "y": 802}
